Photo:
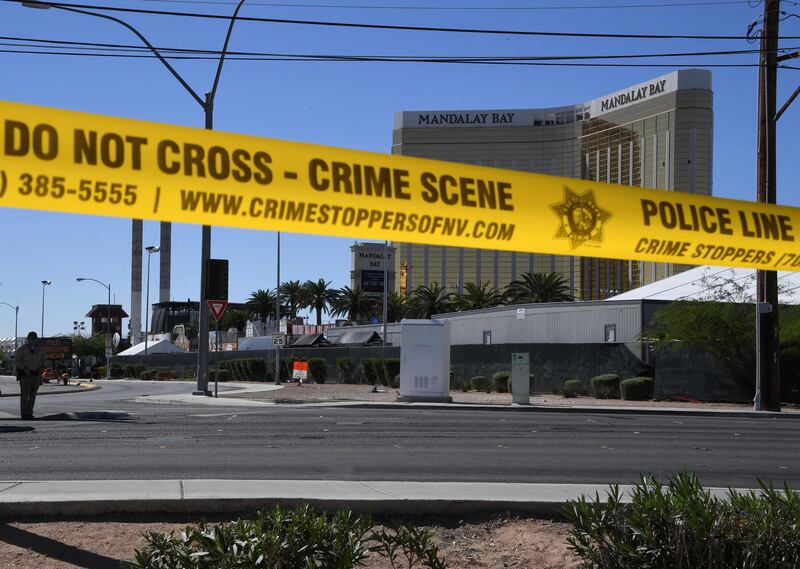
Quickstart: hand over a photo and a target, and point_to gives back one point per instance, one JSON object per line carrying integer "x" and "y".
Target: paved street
{"x": 152, "y": 441}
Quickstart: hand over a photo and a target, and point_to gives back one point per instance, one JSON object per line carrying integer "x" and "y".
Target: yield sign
{"x": 217, "y": 307}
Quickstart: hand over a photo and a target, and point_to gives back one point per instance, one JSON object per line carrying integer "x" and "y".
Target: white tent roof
{"x": 157, "y": 347}
{"x": 688, "y": 285}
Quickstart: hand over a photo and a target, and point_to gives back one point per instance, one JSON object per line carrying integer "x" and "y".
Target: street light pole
{"x": 44, "y": 284}
{"x": 150, "y": 250}
{"x": 16, "y": 321}
{"x": 278, "y": 313}
{"x": 207, "y": 105}
{"x": 108, "y": 323}
{"x": 385, "y": 291}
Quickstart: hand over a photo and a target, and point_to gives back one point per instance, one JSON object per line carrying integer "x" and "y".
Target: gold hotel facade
{"x": 657, "y": 134}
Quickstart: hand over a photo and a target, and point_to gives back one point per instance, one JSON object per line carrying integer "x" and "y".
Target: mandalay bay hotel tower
{"x": 657, "y": 134}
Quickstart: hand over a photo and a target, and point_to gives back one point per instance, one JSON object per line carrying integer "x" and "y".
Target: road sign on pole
{"x": 300, "y": 371}
{"x": 217, "y": 307}
{"x": 279, "y": 340}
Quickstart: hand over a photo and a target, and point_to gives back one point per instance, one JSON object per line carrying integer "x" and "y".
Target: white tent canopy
{"x": 157, "y": 347}
{"x": 689, "y": 285}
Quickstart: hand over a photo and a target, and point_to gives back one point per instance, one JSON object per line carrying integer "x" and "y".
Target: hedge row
{"x": 611, "y": 386}
{"x": 384, "y": 371}
{"x": 499, "y": 382}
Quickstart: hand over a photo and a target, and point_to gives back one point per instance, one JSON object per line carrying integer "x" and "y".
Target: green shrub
{"x": 683, "y": 526}
{"x": 347, "y": 367}
{"x": 500, "y": 381}
{"x": 116, "y": 371}
{"x": 256, "y": 369}
{"x": 296, "y": 538}
{"x": 221, "y": 375}
{"x": 480, "y": 383}
{"x": 285, "y": 370}
{"x": 637, "y": 388}
{"x": 148, "y": 375}
{"x": 318, "y": 370}
{"x": 573, "y": 388}
{"x": 391, "y": 369}
{"x": 369, "y": 367}
{"x": 237, "y": 369}
{"x": 606, "y": 386}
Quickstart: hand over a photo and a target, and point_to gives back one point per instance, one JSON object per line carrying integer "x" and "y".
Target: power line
{"x": 347, "y": 59}
{"x": 15, "y": 41}
{"x": 459, "y": 8}
{"x": 393, "y": 27}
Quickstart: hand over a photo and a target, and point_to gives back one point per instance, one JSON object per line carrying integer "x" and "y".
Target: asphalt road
{"x": 194, "y": 441}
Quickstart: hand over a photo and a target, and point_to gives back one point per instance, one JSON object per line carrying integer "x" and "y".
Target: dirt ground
{"x": 330, "y": 392}
{"x": 488, "y": 542}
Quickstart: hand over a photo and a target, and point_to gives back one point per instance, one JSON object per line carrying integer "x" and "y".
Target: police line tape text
{"x": 113, "y": 150}
{"x": 328, "y": 214}
{"x": 58, "y": 187}
{"x": 706, "y": 219}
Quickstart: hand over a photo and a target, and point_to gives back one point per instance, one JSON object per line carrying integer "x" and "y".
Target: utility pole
{"x": 768, "y": 383}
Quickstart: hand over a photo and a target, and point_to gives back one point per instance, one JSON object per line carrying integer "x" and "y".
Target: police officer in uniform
{"x": 29, "y": 361}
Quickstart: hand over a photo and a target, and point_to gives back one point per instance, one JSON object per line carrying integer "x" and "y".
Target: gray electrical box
{"x": 520, "y": 379}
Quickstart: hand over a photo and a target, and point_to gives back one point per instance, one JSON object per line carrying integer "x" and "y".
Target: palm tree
{"x": 353, "y": 304}
{"x": 292, "y": 297}
{"x": 429, "y": 300}
{"x": 396, "y": 307}
{"x": 318, "y": 296}
{"x": 261, "y": 303}
{"x": 479, "y": 296}
{"x": 538, "y": 287}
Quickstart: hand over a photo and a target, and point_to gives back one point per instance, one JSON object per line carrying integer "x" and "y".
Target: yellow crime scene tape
{"x": 65, "y": 161}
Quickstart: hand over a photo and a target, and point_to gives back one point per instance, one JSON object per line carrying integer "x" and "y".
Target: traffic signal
{"x": 217, "y": 279}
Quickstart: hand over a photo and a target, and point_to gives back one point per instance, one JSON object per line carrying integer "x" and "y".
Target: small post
{"x": 216, "y": 366}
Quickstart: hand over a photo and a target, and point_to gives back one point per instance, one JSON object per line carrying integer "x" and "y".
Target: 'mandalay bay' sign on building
{"x": 684, "y": 79}
{"x": 656, "y": 134}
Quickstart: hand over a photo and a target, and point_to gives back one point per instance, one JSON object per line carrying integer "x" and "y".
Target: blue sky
{"x": 341, "y": 104}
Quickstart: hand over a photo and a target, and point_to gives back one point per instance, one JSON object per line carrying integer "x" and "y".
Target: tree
{"x": 353, "y": 304}
{"x": 234, "y": 319}
{"x": 292, "y": 297}
{"x": 318, "y": 296}
{"x": 84, "y": 346}
{"x": 479, "y": 296}
{"x": 429, "y": 300}
{"x": 261, "y": 303}
{"x": 721, "y": 322}
{"x": 396, "y": 307}
{"x": 538, "y": 287}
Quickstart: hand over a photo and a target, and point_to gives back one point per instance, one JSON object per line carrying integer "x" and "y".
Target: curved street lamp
{"x": 207, "y": 104}
{"x": 150, "y": 250}
{"x": 44, "y": 284}
{"x": 108, "y": 324}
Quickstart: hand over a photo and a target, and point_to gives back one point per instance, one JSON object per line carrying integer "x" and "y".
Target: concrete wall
{"x": 551, "y": 364}
{"x": 695, "y": 374}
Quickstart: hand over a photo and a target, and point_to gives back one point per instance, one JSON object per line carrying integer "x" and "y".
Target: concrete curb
{"x": 605, "y": 410}
{"x": 53, "y": 499}
{"x": 82, "y": 388}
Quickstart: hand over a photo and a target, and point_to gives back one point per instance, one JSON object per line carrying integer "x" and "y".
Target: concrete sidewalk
{"x": 52, "y": 499}
{"x": 239, "y": 388}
